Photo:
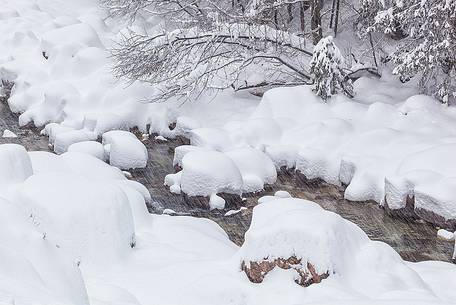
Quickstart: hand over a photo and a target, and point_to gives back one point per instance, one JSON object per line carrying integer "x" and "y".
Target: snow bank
{"x": 125, "y": 150}
{"x": 379, "y": 146}
{"x": 32, "y": 268}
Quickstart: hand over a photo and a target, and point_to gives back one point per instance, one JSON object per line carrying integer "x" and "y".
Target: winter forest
{"x": 228, "y": 152}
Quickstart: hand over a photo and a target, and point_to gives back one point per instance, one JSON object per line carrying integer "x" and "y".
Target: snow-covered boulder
{"x": 15, "y": 164}
{"x": 303, "y": 238}
{"x": 63, "y": 140}
{"x": 207, "y": 173}
{"x": 125, "y": 150}
{"x": 298, "y": 234}
{"x": 181, "y": 151}
{"x": 92, "y": 148}
{"x": 256, "y": 168}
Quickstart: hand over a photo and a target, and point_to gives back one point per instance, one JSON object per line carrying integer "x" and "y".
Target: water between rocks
{"x": 413, "y": 240}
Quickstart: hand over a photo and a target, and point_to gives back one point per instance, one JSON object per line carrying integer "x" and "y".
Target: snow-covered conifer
{"x": 428, "y": 47}
{"x": 326, "y": 68}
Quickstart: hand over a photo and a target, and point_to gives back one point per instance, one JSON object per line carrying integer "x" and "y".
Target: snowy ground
{"x": 74, "y": 230}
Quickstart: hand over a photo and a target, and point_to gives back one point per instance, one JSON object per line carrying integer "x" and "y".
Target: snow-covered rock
{"x": 181, "y": 151}
{"x": 446, "y": 235}
{"x": 206, "y": 173}
{"x": 314, "y": 242}
{"x": 92, "y": 148}
{"x": 209, "y": 172}
{"x": 8, "y": 134}
{"x": 63, "y": 140}
{"x": 125, "y": 150}
{"x": 256, "y": 168}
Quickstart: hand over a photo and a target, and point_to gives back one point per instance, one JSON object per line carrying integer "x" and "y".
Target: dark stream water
{"x": 413, "y": 240}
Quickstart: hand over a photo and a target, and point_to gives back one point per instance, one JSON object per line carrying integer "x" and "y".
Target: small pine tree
{"x": 326, "y": 68}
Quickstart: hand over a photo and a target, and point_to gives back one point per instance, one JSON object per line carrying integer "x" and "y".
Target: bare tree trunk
{"x": 333, "y": 7}
{"x": 315, "y": 21}
{"x": 336, "y": 21}
{"x": 276, "y": 19}
{"x": 302, "y": 19}
{"x": 290, "y": 12}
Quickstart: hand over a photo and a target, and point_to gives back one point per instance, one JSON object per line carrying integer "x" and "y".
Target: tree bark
{"x": 315, "y": 21}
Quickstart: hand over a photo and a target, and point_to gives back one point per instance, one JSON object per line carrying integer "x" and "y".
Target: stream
{"x": 414, "y": 240}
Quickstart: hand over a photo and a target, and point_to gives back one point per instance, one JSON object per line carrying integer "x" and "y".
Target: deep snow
{"x": 74, "y": 230}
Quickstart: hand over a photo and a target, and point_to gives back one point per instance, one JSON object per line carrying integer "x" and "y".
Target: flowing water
{"x": 413, "y": 240}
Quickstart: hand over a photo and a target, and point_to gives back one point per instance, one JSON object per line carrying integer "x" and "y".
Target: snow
{"x": 282, "y": 228}
{"x": 160, "y": 138}
{"x": 205, "y": 173}
{"x": 86, "y": 216}
{"x": 15, "y": 164}
{"x": 64, "y": 140}
{"x": 446, "y": 235}
{"x": 90, "y": 220}
{"x": 33, "y": 269}
{"x": 92, "y": 148}
{"x": 69, "y": 222}
{"x": 125, "y": 150}
{"x": 234, "y": 212}
{"x": 378, "y": 145}
{"x": 256, "y": 168}
{"x": 168, "y": 212}
{"x": 8, "y": 134}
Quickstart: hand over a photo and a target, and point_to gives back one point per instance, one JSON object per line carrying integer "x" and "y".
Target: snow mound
{"x": 181, "y": 151}
{"x": 15, "y": 164}
{"x": 92, "y": 148}
{"x": 206, "y": 173}
{"x": 8, "y": 134}
{"x": 209, "y": 172}
{"x": 301, "y": 237}
{"x": 290, "y": 227}
{"x": 89, "y": 219}
{"x": 212, "y": 138}
{"x": 32, "y": 268}
{"x": 63, "y": 140}
{"x": 256, "y": 168}
{"x": 125, "y": 150}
